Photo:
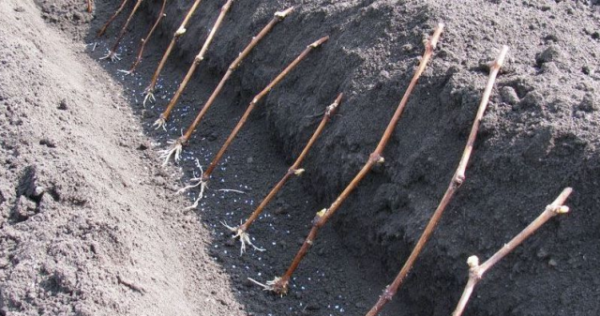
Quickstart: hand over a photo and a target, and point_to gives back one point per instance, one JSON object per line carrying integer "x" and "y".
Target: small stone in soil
{"x": 589, "y": 104}
{"x": 280, "y": 211}
{"x": 48, "y": 143}
{"x": 551, "y": 53}
{"x": 230, "y": 242}
{"x": 212, "y": 136}
{"x": 142, "y": 146}
{"x": 248, "y": 283}
{"x": 62, "y": 105}
{"x": 509, "y": 95}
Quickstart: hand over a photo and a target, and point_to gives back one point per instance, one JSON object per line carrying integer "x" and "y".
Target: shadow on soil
{"x": 329, "y": 281}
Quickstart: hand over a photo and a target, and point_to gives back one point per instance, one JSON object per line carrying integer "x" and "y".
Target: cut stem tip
{"x": 283, "y": 14}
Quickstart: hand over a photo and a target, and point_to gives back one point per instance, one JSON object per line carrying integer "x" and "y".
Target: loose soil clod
{"x": 476, "y": 271}
{"x": 457, "y": 180}
{"x": 203, "y": 181}
{"x": 149, "y": 91}
{"x": 280, "y": 284}
{"x": 241, "y": 231}
{"x": 145, "y": 40}
{"x": 112, "y": 18}
{"x": 178, "y": 145}
{"x": 112, "y": 54}
{"x": 164, "y": 116}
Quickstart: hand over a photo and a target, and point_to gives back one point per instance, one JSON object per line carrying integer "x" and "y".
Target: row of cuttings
{"x": 280, "y": 285}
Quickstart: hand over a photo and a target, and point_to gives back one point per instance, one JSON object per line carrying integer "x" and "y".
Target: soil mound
{"x": 539, "y": 135}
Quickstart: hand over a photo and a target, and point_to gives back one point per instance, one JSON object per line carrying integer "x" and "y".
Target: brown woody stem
{"x": 178, "y": 33}
{"x": 476, "y": 271}
{"x": 280, "y": 284}
{"x": 255, "y": 100}
{"x": 115, "y": 46}
{"x": 293, "y": 170}
{"x": 197, "y": 60}
{"x": 90, "y": 6}
{"x": 457, "y": 180}
{"x": 145, "y": 40}
{"x": 112, "y": 18}
{"x": 279, "y": 16}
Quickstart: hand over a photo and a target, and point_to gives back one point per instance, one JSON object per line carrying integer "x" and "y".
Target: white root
{"x": 198, "y": 182}
{"x": 269, "y": 286}
{"x": 231, "y": 190}
{"x": 203, "y": 186}
{"x": 244, "y": 238}
{"x": 112, "y": 56}
{"x": 126, "y": 72}
{"x": 161, "y": 122}
{"x": 149, "y": 96}
{"x": 174, "y": 151}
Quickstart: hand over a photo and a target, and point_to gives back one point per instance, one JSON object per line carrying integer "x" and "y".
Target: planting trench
{"x": 79, "y": 123}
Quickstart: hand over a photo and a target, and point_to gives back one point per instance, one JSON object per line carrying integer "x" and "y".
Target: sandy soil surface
{"x": 91, "y": 224}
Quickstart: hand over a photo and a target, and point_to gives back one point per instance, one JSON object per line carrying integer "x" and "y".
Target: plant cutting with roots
{"x": 241, "y": 231}
{"x": 177, "y": 145}
{"x": 112, "y": 18}
{"x": 112, "y": 54}
{"x": 203, "y": 181}
{"x": 144, "y": 41}
{"x": 457, "y": 180}
{"x": 164, "y": 116}
{"x": 279, "y": 285}
{"x": 476, "y": 270}
{"x": 149, "y": 91}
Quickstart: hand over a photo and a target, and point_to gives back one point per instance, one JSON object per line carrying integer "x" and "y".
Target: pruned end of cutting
{"x": 500, "y": 60}
{"x": 436, "y": 35}
{"x": 319, "y": 42}
{"x": 283, "y": 14}
{"x": 557, "y": 206}
{"x": 333, "y": 106}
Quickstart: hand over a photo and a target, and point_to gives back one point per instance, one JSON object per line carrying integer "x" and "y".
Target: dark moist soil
{"x": 540, "y": 134}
